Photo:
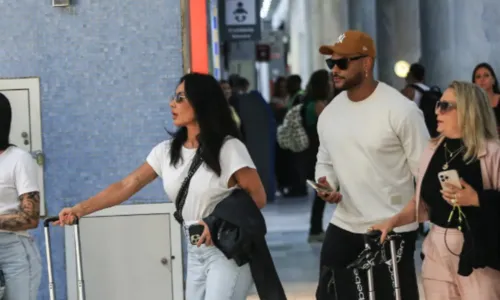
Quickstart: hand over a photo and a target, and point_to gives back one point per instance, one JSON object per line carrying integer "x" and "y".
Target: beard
{"x": 353, "y": 82}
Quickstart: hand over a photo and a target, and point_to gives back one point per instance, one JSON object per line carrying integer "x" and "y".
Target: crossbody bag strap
{"x": 183, "y": 191}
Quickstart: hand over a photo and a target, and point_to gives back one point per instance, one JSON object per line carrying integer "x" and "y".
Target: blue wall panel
{"x": 107, "y": 69}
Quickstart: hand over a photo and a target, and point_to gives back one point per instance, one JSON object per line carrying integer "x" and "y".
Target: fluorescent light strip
{"x": 266, "y": 5}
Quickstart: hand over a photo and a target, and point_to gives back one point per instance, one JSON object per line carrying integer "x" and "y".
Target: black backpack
{"x": 428, "y": 106}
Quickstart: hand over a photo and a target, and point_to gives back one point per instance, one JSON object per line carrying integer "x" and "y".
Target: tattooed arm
{"x": 28, "y": 215}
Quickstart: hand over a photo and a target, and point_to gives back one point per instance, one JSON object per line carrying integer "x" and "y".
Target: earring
{"x": 366, "y": 73}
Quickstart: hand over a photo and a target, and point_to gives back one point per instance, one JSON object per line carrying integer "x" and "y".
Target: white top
{"x": 18, "y": 176}
{"x": 371, "y": 150}
{"x": 206, "y": 189}
{"x": 418, "y": 95}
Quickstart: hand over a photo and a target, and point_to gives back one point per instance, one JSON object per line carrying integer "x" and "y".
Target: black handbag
{"x": 232, "y": 242}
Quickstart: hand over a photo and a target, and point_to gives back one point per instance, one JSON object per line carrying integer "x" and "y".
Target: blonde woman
{"x": 462, "y": 250}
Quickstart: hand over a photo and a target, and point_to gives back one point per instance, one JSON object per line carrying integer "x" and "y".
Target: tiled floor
{"x": 296, "y": 260}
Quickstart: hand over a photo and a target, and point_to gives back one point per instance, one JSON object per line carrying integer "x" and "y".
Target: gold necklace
{"x": 453, "y": 155}
{"x": 453, "y": 152}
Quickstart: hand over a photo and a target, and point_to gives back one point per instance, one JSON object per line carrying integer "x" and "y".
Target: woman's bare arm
{"x": 118, "y": 192}
{"x": 406, "y": 216}
{"x": 249, "y": 180}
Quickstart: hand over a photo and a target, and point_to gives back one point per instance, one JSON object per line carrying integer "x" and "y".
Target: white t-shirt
{"x": 371, "y": 150}
{"x": 206, "y": 189}
{"x": 18, "y": 176}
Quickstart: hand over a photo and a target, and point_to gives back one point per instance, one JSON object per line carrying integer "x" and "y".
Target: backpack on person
{"x": 428, "y": 106}
{"x": 292, "y": 135}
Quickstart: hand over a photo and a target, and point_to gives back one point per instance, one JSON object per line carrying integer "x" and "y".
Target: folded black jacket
{"x": 482, "y": 244}
{"x": 238, "y": 229}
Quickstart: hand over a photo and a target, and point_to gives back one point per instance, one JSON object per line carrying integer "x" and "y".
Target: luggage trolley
{"x": 81, "y": 292}
{"x": 371, "y": 256}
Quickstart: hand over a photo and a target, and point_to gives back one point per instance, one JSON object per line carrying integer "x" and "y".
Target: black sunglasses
{"x": 178, "y": 98}
{"x": 342, "y": 63}
{"x": 445, "y": 106}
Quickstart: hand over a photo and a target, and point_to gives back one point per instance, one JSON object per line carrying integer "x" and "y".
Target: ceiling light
{"x": 264, "y": 10}
{"x": 401, "y": 68}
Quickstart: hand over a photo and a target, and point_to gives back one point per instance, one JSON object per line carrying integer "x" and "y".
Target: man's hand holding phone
{"x": 331, "y": 196}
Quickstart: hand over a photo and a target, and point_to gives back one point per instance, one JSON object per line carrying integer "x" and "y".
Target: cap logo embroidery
{"x": 365, "y": 49}
{"x": 341, "y": 38}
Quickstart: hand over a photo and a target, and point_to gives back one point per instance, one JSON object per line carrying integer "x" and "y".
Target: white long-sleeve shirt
{"x": 371, "y": 150}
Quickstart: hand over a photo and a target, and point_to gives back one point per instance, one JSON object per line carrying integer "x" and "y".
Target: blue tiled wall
{"x": 107, "y": 69}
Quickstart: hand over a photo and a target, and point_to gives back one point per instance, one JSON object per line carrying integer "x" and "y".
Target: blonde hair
{"x": 476, "y": 117}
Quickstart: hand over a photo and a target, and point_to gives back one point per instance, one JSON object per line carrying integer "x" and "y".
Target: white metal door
{"x": 26, "y": 131}
{"x": 127, "y": 257}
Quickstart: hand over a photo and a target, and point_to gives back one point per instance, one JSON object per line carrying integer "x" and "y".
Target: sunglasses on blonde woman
{"x": 445, "y": 106}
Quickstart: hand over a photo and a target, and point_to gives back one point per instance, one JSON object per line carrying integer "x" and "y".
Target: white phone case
{"x": 449, "y": 176}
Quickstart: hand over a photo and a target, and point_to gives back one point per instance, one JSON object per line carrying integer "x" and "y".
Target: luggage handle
{"x": 80, "y": 285}
{"x": 373, "y": 237}
{"x": 49, "y": 220}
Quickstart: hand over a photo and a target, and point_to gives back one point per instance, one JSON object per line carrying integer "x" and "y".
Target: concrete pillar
{"x": 398, "y": 37}
{"x": 317, "y": 32}
{"x": 457, "y": 35}
{"x": 328, "y": 21}
{"x": 300, "y": 37}
{"x": 362, "y": 16}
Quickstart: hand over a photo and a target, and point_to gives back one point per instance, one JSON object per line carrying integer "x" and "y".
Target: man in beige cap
{"x": 371, "y": 138}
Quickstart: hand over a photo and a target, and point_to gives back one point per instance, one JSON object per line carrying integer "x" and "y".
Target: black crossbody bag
{"x": 183, "y": 191}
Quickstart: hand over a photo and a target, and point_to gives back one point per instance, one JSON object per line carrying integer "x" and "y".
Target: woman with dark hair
{"x": 207, "y": 136}
{"x": 319, "y": 91}
{"x": 19, "y": 212}
{"x": 484, "y": 76}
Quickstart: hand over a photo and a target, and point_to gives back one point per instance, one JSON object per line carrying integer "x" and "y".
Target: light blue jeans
{"x": 22, "y": 267}
{"x": 211, "y": 276}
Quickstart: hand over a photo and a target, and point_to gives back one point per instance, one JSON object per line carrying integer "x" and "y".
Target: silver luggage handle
{"x": 394, "y": 260}
{"x": 371, "y": 238}
{"x": 46, "y": 225}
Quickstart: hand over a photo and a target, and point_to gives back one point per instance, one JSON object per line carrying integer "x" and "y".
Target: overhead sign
{"x": 241, "y": 20}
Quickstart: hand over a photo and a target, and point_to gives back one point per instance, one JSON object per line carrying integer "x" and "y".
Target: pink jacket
{"x": 489, "y": 158}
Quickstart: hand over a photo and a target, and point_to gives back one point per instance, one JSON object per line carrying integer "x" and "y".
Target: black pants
{"x": 317, "y": 211}
{"x": 282, "y": 167}
{"x": 341, "y": 248}
{"x": 298, "y": 174}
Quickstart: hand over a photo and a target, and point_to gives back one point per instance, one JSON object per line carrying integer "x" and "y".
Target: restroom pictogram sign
{"x": 240, "y": 20}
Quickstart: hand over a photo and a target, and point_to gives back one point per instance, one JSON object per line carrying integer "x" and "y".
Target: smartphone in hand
{"x": 450, "y": 177}
{"x": 195, "y": 232}
{"x": 319, "y": 188}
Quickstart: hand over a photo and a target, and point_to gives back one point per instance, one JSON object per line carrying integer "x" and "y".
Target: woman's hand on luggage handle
{"x": 205, "y": 238}
{"x": 67, "y": 216}
{"x": 331, "y": 197}
{"x": 384, "y": 227}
